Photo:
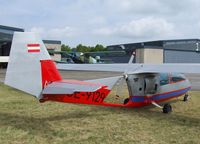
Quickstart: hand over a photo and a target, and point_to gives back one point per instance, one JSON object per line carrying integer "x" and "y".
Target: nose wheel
{"x": 186, "y": 97}
{"x": 167, "y": 108}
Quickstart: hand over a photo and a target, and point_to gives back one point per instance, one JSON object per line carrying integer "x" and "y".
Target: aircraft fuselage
{"x": 147, "y": 88}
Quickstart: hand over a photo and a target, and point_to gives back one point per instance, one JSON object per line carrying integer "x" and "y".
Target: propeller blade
{"x": 125, "y": 76}
{"x": 129, "y": 63}
{"x": 119, "y": 87}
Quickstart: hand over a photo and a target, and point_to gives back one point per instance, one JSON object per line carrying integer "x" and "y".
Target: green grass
{"x": 24, "y": 120}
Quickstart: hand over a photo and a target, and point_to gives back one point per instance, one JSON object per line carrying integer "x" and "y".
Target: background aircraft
{"x": 31, "y": 70}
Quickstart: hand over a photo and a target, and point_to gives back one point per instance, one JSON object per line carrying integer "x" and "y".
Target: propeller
{"x": 119, "y": 87}
{"x": 124, "y": 77}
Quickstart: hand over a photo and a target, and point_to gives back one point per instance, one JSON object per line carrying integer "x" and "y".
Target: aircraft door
{"x": 151, "y": 84}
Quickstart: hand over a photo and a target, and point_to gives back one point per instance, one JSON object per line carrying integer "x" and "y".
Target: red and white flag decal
{"x": 33, "y": 47}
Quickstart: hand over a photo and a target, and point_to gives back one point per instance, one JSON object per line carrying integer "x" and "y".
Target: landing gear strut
{"x": 167, "y": 108}
{"x": 186, "y": 97}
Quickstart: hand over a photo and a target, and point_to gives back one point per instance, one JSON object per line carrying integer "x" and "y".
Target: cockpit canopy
{"x": 167, "y": 78}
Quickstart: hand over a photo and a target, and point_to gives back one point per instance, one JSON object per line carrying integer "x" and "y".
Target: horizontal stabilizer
{"x": 70, "y": 87}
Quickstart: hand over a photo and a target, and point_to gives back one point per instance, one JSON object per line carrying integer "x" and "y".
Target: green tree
{"x": 82, "y": 48}
{"x": 66, "y": 48}
{"x": 98, "y": 47}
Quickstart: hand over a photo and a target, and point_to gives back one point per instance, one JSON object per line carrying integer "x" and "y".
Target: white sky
{"x": 104, "y": 21}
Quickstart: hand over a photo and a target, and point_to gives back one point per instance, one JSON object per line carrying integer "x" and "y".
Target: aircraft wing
{"x": 97, "y": 67}
{"x": 166, "y": 68}
{"x": 135, "y": 68}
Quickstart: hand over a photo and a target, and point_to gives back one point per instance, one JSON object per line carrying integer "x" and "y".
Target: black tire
{"x": 167, "y": 108}
{"x": 186, "y": 97}
{"x": 126, "y": 101}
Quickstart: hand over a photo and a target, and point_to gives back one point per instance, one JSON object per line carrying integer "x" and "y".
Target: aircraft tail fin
{"x": 30, "y": 67}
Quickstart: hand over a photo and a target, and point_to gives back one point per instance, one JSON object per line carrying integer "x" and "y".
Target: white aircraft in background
{"x": 31, "y": 70}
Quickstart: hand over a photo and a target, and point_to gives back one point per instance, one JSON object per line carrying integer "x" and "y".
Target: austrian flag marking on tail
{"x": 33, "y": 48}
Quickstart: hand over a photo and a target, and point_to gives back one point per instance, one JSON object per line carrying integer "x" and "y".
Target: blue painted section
{"x": 159, "y": 96}
{"x": 138, "y": 99}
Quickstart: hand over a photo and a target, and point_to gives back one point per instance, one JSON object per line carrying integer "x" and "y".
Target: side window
{"x": 177, "y": 77}
{"x": 164, "y": 79}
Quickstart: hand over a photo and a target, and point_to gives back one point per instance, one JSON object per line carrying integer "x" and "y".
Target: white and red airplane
{"x": 31, "y": 70}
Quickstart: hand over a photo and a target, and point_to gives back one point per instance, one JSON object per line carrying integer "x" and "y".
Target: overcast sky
{"x": 104, "y": 21}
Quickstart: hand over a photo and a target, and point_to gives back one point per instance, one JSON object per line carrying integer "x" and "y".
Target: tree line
{"x": 83, "y": 48}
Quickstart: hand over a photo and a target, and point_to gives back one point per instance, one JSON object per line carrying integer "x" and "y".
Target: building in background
{"x": 53, "y": 47}
{"x": 162, "y": 51}
{"x": 6, "y": 35}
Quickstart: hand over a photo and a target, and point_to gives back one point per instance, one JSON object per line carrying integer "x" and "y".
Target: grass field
{"x": 24, "y": 120}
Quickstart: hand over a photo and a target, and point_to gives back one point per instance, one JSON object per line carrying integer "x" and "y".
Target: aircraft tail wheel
{"x": 167, "y": 108}
{"x": 186, "y": 97}
{"x": 126, "y": 101}
{"x": 41, "y": 100}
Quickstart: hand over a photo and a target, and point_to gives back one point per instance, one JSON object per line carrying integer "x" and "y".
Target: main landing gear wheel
{"x": 186, "y": 97}
{"x": 167, "y": 108}
{"x": 126, "y": 101}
